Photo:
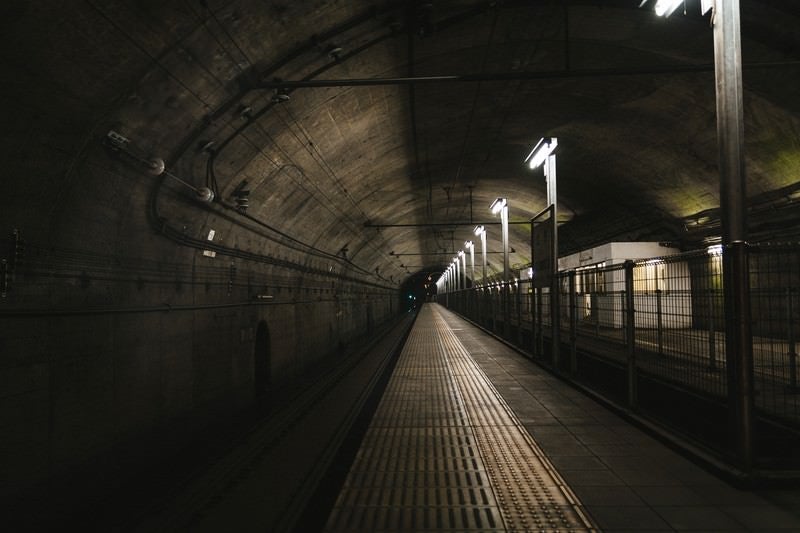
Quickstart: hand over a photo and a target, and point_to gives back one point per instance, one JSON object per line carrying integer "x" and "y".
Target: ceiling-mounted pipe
{"x": 508, "y": 76}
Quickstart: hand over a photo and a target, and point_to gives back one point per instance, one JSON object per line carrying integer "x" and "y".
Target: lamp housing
{"x": 543, "y": 148}
{"x": 497, "y": 205}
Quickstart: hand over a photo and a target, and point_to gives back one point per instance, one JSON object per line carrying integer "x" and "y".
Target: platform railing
{"x": 662, "y": 318}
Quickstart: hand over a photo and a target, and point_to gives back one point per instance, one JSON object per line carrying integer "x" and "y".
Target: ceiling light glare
{"x": 665, "y": 8}
{"x": 497, "y": 205}
{"x": 543, "y": 148}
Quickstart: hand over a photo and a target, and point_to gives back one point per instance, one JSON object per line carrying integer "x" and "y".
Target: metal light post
{"x": 500, "y": 205}
{"x": 735, "y": 268}
{"x": 480, "y": 231}
{"x": 543, "y": 154}
{"x": 471, "y": 296}
{"x": 463, "y": 265}
{"x": 471, "y": 247}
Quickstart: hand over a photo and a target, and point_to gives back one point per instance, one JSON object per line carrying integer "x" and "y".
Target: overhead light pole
{"x": 500, "y": 206}
{"x": 480, "y": 231}
{"x": 543, "y": 154}
{"x": 471, "y": 247}
{"x": 463, "y": 257}
{"x": 472, "y": 294}
{"x": 735, "y": 267}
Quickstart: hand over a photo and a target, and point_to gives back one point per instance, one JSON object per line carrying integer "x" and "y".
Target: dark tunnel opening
{"x": 418, "y": 288}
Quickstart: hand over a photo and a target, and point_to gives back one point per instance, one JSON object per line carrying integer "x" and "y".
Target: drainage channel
{"x": 445, "y": 452}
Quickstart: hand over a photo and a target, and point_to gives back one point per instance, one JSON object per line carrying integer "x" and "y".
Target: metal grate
{"x": 444, "y": 452}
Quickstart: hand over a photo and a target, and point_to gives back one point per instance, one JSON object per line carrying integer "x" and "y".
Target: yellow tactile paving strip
{"x": 444, "y": 452}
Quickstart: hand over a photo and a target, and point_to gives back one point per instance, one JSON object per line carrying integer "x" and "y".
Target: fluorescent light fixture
{"x": 530, "y": 272}
{"x": 479, "y": 230}
{"x": 543, "y": 148}
{"x": 461, "y": 253}
{"x": 664, "y": 8}
{"x": 468, "y": 244}
{"x": 716, "y": 249}
{"x": 497, "y": 205}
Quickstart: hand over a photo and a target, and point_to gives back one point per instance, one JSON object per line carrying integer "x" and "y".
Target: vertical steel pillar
{"x": 573, "y": 325}
{"x": 505, "y": 286}
{"x": 463, "y": 270}
{"x": 555, "y": 312}
{"x": 790, "y": 340}
{"x": 630, "y": 334}
{"x": 735, "y": 271}
{"x": 519, "y": 314}
{"x": 483, "y": 274}
{"x": 473, "y": 294}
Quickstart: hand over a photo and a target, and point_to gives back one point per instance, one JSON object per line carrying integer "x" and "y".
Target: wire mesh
{"x": 775, "y": 313}
{"x": 679, "y": 319}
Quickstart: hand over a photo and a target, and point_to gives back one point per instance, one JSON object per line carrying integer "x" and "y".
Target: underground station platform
{"x": 440, "y": 426}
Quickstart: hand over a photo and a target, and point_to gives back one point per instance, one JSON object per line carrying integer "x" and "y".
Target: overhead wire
{"x": 210, "y": 173}
{"x": 475, "y": 99}
{"x": 211, "y": 176}
{"x": 144, "y": 51}
{"x": 211, "y": 179}
{"x": 357, "y": 231}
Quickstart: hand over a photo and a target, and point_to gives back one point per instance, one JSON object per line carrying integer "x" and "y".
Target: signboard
{"x": 542, "y": 248}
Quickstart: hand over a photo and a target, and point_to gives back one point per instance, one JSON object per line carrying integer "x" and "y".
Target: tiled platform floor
{"x": 471, "y": 436}
{"x": 625, "y": 479}
{"x": 444, "y": 452}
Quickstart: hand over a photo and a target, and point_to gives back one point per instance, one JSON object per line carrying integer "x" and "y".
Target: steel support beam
{"x": 736, "y": 277}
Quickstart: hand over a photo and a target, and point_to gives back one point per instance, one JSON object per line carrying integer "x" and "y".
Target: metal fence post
{"x": 594, "y": 301}
{"x": 573, "y": 325}
{"x": 712, "y": 332}
{"x": 493, "y": 311}
{"x": 531, "y": 301}
{"x": 519, "y": 314}
{"x": 630, "y": 334}
{"x": 660, "y": 318}
{"x": 539, "y": 323}
{"x": 739, "y": 348}
{"x": 790, "y": 340}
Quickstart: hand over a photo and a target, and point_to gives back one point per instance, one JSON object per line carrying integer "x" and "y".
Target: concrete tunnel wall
{"x": 121, "y": 345}
{"x": 122, "y": 340}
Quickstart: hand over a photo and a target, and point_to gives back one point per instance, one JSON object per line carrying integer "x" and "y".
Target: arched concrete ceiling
{"x": 365, "y": 178}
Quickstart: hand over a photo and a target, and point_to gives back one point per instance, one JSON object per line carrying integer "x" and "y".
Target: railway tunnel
{"x": 244, "y": 283}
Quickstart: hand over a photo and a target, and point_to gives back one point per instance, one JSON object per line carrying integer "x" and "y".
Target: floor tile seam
{"x": 548, "y": 379}
{"x": 365, "y": 460}
{"x": 473, "y": 385}
{"x": 550, "y": 469}
{"x": 359, "y": 467}
{"x": 442, "y": 329}
{"x": 499, "y": 362}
